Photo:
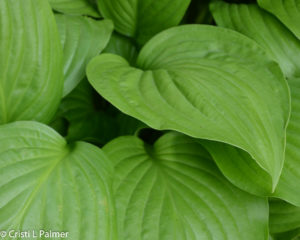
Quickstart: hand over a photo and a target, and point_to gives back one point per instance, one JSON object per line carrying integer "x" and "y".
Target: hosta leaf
{"x": 284, "y": 48}
{"x": 265, "y": 29}
{"x": 238, "y": 166}
{"x": 76, "y": 7}
{"x": 48, "y": 184}
{"x": 30, "y": 61}
{"x": 289, "y": 185}
{"x": 189, "y": 81}
{"x": 82, "y": 38}
{"x": 123, "y": 46}
{"x": 284, "y": 220}
{"x": 142, "y": 19}
{"x": 288, "y": 11}
{"x": 173, "y": 190}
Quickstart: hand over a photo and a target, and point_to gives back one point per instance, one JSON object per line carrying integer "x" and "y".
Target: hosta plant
{"x": 150, "y": 120}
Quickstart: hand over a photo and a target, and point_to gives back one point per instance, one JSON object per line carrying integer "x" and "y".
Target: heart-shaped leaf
{"x": 288, "y": 11}
{"x": 76, "y": 7}
{"x": 284, "y": 220}
{"x": 48, "y": 184}
{"x": 142, "y": 19}
{"x": 284, "y": 47}
{"x": 30, "y": 61}
{"x": 82, "y": 38}
{"x": 173, "y": 190}
{"x": 188, "y": 80}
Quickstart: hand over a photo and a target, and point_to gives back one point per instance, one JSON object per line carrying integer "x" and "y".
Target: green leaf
{"x": 288, "y": 11}
{"x": 82, "y": 38}
{"x": 284, "y": 48}
{"x": 47, "y": 184}
{"x": 142, "y": 19}
{"x": 189, "y": 81}
{"x": 284, "y": 220}
{"x": 265, "y": 29}
{"x": 240, "y": 168}
{"x": 30, "y": 61}
{"x": 123, "y": 46}
{"x": 75, "y": 7}
{"x": 289, "y": 184}
{"x": 173, "y": 190}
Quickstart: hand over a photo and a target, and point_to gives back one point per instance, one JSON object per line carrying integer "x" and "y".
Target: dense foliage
{"x": 150, "y": 119}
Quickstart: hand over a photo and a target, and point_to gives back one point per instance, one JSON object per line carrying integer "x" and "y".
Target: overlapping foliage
{"x": 146, "y": 119}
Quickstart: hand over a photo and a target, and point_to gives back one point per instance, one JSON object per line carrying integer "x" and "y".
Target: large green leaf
{"x": 173, "y": 190}
{"x": 265, "y": 29}
{"x": 288, "y": 11}
{"x": 284, "y": 220}
{"x": 82, "y": 38}
{"x": 50, "y": 185}
{"x": 188, "y": 80}
{"x": 284, "y": 48}
{"x": 30, "y": 61}
{"x": 142, "y": 19}
{"x": 76, "y": 7}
